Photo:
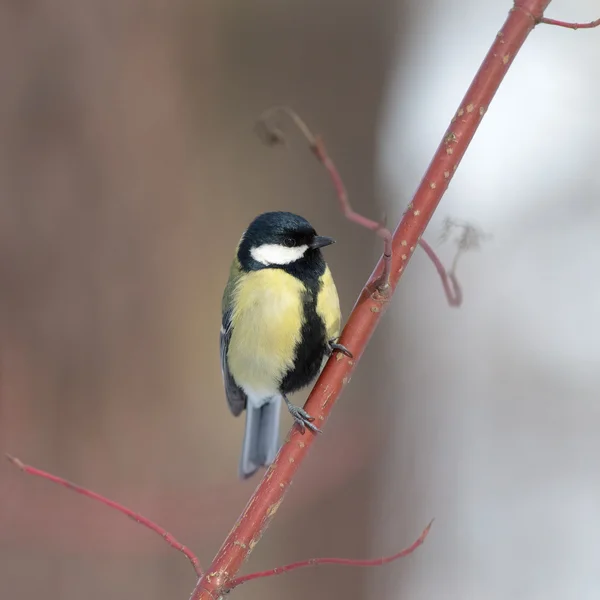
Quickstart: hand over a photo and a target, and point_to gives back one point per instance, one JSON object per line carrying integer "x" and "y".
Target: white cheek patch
{"x": 276, "y": 254}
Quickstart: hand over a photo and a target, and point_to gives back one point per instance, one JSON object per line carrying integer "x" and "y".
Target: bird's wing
{"x": 236, "y": 398}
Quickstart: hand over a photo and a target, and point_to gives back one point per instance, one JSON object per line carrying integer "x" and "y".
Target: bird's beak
{"x": 320, "y": 241}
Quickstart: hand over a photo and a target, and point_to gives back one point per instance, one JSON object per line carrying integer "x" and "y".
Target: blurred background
{"x": 129, "y": 169}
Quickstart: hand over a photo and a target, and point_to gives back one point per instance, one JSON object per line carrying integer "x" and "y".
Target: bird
{"x": 280, "y": 322}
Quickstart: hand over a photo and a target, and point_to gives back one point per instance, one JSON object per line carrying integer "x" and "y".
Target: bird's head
{"x": 280, "y": 239}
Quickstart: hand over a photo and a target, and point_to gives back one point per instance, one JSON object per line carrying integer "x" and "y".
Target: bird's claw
{"x": 302, "y": 418}
{"x": 340, "y": 348}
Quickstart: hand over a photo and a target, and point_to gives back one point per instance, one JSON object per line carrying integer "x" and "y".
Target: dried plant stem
{"x": 312, "y": 562}
{"x": 452, "y": 287}
{"x": 349, "y": 562}
{"x": 271, "y": 134}
{"x": 569, "y": 25}
{"x": 114, "y": 505}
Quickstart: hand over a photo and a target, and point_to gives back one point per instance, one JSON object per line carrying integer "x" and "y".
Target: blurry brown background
{"x": 128, "y": 170}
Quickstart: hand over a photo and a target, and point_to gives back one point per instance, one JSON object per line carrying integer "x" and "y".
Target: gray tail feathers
{"x": 261, "y": 439}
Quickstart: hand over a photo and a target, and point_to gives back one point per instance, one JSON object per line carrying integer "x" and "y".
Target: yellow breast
{"x": 268, "y": 314}
{"x": 328, "y": 305}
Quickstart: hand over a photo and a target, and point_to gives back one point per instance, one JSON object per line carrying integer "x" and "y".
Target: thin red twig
{"x": 371, "y": 305}
{"x": 115, "y": 505}
{"x": 272, "y": 134}
{"x": 452, "y": 287}
{"x": 569, "y": 25}
{"x": 313, "y": 562}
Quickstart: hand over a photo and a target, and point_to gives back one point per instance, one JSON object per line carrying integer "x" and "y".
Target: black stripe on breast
{"x": 310, "y": 351}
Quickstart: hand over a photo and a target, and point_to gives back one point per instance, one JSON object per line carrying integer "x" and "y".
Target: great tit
{"x": 281, "y": 317}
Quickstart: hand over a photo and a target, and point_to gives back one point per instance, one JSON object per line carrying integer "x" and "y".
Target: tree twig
{"x": 452, "y": 287}
{"x": 269, "y": 131}
{"x": 116, "y": 506}
{"x": 272, "y": 134}
{"x": 569, "y": 25}
{"x": 313, "y": 562}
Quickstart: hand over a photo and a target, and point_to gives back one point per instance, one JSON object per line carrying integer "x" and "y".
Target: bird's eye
{"x": 289, "y": 242}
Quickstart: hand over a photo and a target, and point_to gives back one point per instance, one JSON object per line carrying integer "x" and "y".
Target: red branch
{"x": 452, "y": 287}
{"x": 116, "y": 506}
{"x": 569, "y": 25}
{"x": 371, "y": 305}
{"x": 272, "y": 134}
{"x": 313, "y": 562}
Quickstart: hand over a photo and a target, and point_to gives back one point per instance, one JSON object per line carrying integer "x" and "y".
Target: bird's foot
{"x": 332, "y": 346}
{"x": 301, "y": 417}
